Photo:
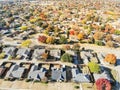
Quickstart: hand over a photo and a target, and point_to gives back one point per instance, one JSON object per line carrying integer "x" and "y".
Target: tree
{"x": 94, "y": 67}
{"x": 63, "y": 40}
{"x": 103, "y": 84}
{"x": 98, "y": 35}
{"x": 2, "y": 55}
{"x": 117, "y": 32}
{"x": 80, "y": 36}
{"x": 108, "y": 37}
{"x": 26, "y": 43}
{"x": 110, "y": 58}
{"x": 45, "y": 56}
{"x": 42, "y": 39}
{"x": 110, "y": 44}
{"x": 66, "y": 58}
{"x": 72, "y": 32}
{"x": 50, "y": 40}
{"x": 23, "y": 28}
{"x": 33, "y": 20}
{"x": 117, "y": 39}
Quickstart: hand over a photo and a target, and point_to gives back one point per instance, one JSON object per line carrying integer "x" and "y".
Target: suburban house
{"x": 56, "y": 54}
{"x": 105, "y": 73}
{"x": 80, "y": 77}
{"x": 59, "y": 74}
{"x": 23, "y": 53}
{"x": 71, "y": 52}
{"x": 18, "y": 71}
{"x": 9, "y": 52}
{"x": 4, "y": 68}
{"x": 37, "y": 54}
{"x": 36, "y": 73}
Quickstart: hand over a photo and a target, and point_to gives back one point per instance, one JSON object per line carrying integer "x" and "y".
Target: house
{"x": 2, "y": 71}
{"x": 59, "y": 74}
{"x": 73, "y": 53}
{"x": 55, "y": 54}
{"x": 15, "y": 72}
{"x": 19, "y": 71}
{"x": 77, "y": 76}
{"x": 36, "y": 74}
{"x": 5, "y": 66}
{"x": 105, "y": 75}
{"x": 37, "y": 54}
{"x": 9, "y": 51}
{"x": 23, "y": 53}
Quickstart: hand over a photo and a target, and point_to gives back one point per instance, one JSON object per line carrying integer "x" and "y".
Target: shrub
{"x": 76, "y": 87}
{"x": 66, "y": 58}
{"x": 99, "y": 42}
{"x": 94, "y": 67}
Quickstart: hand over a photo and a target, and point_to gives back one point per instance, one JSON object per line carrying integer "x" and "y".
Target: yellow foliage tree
{"x": 26, "y": 43}
{"x": 23, "y": 28}
{"x": 33, "y": 20}
{"x": 2, "y": 55}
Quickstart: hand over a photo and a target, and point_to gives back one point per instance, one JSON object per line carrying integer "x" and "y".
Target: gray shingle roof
{"x": 55, "y": 53}
{"x": 38, "y": 52}
{"x": 83, "y": 78}
{"x": 58, "y": 74}
{"x": 36, "y": 74}
{"x": 23, "y": 51}
{"x": 79, "y": 77}
{"x": 18, "y": 73}
{"x": 9, "y": 50}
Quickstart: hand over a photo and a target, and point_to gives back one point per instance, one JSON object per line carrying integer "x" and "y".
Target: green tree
{"x": 63, "y": 40}
{"x": 94, "y": 67}
{"x": 66, "y": 58}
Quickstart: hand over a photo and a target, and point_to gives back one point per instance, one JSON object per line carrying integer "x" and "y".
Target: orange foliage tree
{"x": 80, "y": 36}
{"x": 110, "y": 58}
{"x": 72, "y": 32}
